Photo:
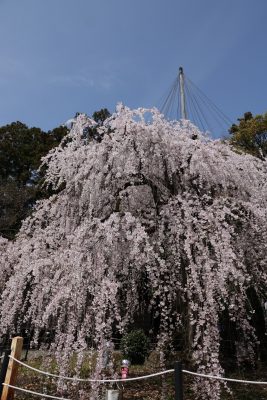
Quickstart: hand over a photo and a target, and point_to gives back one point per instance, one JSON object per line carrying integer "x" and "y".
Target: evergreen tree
{"x": 250, "y": 134}
{"x": 21, "y": 150}
{"x": 101, "y": 115}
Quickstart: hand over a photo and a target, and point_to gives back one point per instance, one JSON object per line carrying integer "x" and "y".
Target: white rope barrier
{"x": 36, "y": 393}
{"x": 221, "y": 378}
{"x": 76, "y": 379}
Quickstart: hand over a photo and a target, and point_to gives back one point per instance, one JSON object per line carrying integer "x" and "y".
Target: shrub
{"x": 135, "y": 346}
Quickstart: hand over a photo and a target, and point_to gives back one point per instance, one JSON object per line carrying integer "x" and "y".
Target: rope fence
{"x": 76, "y": 379}
{"x": 36, "y": 393}
{"x": 11, "y": 361}
{"x": 116, "y": 380}
{"x": 221, "y": 378}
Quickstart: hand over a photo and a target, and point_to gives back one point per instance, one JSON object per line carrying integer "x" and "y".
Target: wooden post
{"x": 12, "y": 369}
{"x": 178, "y": 381}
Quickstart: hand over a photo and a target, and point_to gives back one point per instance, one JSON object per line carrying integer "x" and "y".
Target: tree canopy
{"x": 21, "y": 150}
{"x": 101, "y": 115}
{"x": 150, "y": 218}
{"x": 250, "y": 134}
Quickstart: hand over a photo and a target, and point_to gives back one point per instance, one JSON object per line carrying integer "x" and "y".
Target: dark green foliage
{"x": 93, "y": 133}
{"x": 15, "y": 203}
{"x": 101, "y": 115}
{"x": 21, "y": 150}
{"x": 135, "y": 346}
{"x": 250, "y": 135}
{"x": 56, "y": 135}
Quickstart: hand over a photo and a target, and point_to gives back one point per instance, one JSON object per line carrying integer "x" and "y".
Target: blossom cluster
{"x": 156, "y": 218}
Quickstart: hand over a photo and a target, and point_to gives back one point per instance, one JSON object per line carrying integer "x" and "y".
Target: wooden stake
{"x": 12, "y": 369}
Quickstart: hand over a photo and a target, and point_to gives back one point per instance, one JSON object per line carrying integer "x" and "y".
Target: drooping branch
{"x": 149, "y": 210}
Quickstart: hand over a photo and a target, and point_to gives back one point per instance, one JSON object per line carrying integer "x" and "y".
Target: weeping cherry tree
{"x": 153, "y": 218}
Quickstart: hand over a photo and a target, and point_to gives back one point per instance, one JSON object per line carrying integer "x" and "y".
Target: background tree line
{"x": 250, "y": 134}
{"x": 21, "y": 151}
{"x": 22, "y": 148}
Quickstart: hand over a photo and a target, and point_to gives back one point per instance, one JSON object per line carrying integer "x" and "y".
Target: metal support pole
{"x": 4, "y": 370}
{"x": 182, "y": 93}
{"x": 178, "y": 381}
{"x": 27, "y": 347}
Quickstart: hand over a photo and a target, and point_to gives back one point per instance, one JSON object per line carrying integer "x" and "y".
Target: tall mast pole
{"x": 182, "y": 93}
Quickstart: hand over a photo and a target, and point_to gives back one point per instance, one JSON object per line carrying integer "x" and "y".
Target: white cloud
{"x": 72, "y": 80}
{"x": 102, "y": 80}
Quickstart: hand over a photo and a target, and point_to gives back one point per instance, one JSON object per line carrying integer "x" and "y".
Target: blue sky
{"x": 62, "y": 56}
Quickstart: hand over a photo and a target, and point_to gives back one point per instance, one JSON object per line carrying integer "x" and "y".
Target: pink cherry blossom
{"x": 150, "y": 220}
